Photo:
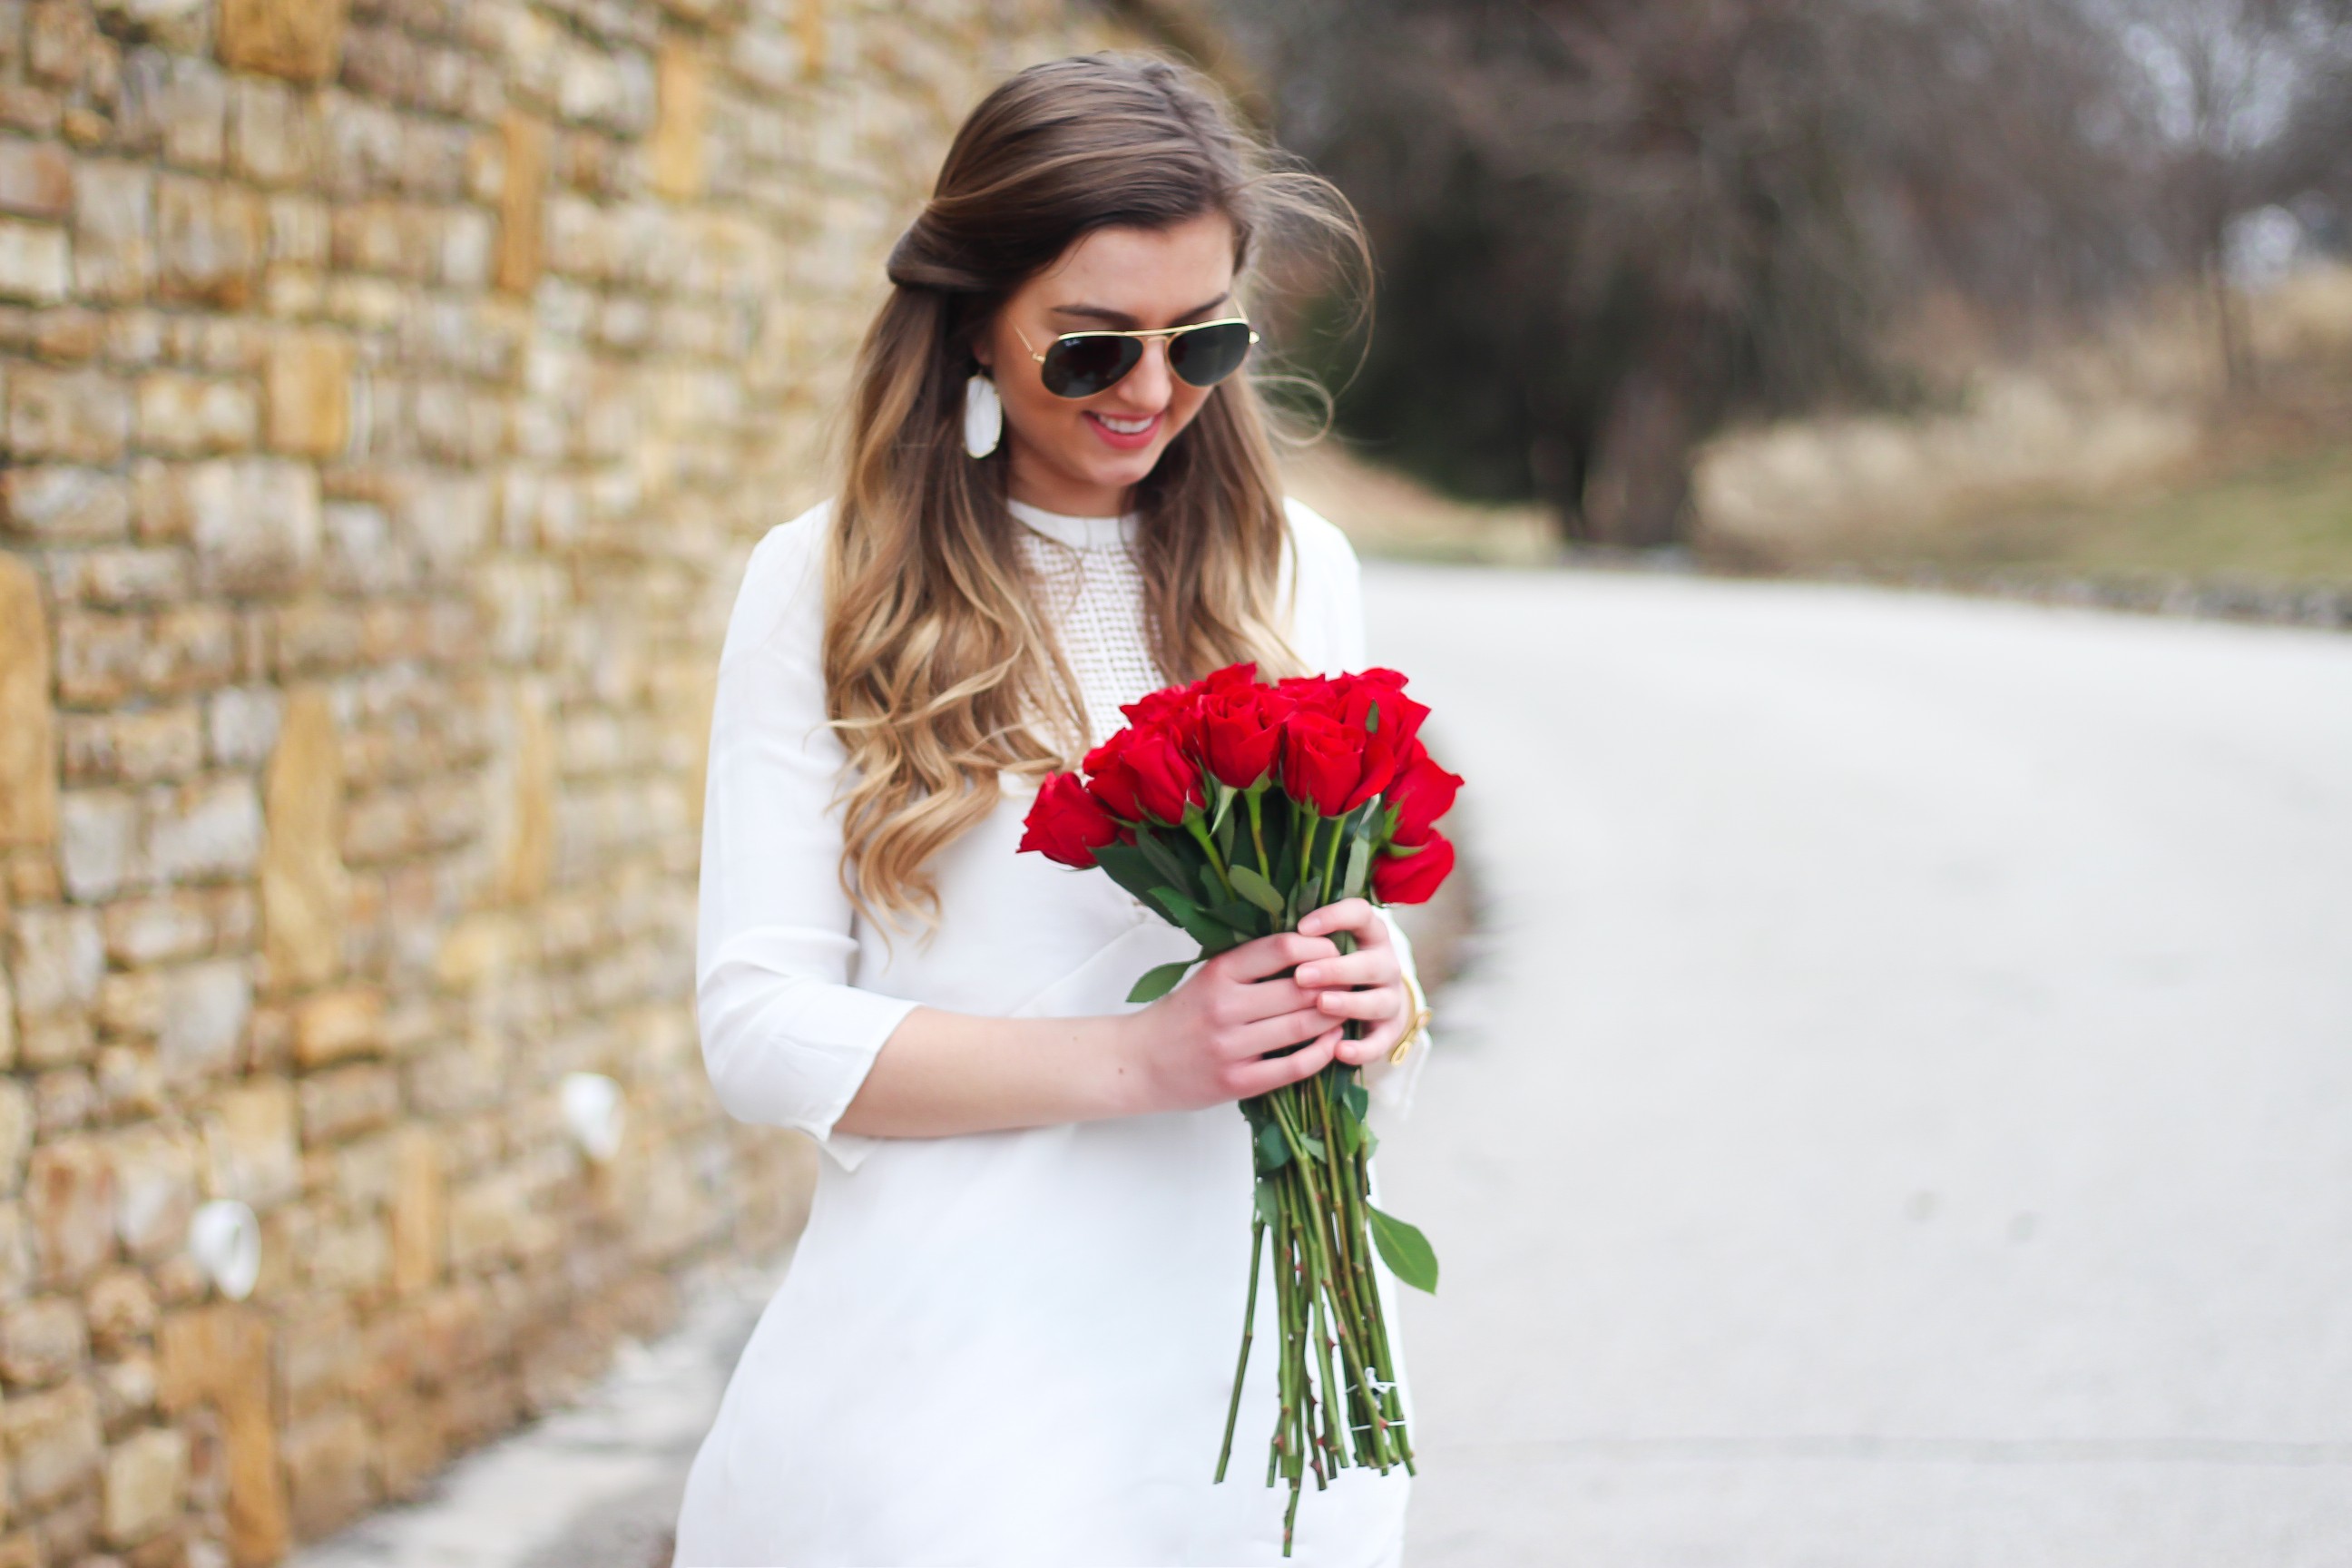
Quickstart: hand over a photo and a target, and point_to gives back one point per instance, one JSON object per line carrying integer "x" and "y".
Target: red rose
{"x": 1421, "y": 793}
{"x": 1111, "y": 781}
{"x": 1321, "y": 761}
{"x": 1066, "y": 824}
{"x": 1240, "y": 730}
{"x": 1410, "y": 878}
{"x": 1374, "y": 701}
{"x": 1166, "y": 780}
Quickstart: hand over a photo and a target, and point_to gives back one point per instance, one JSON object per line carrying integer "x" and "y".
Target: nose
{"x": 1145, "y": 388}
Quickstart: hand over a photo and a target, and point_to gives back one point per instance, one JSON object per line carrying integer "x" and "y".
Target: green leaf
{"x": 1242, "y": 917}
{"x": 1351, "y": 1137}
{"x": 1360, "y": 860}
{"x": 1255, "y": 888}
{"x": 1273, "y": 1153}
{"x": 1225, "y": 798}
{"x": 1356, "y": 1098}
{"x": 1405, "y": 1249}
{"x": 1160, "y": 980}
{"x": 1180, "y": 909}
{"x": 1312, "y": 1144}
{"x": 1269, "y": 1203}
{"x": 1171, "y": 865}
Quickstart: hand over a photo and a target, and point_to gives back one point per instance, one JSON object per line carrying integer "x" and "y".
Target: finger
{"x": 1356, "y": 915}
{"x": 1365, "y": 966}
{"x": 1263, "y": 1078}
{"x": 1271, "y": 998}
{"x": 1383, "y": 1002}
{"x": 1273, "y": 955}
{"x": 1275, "y": 1034}
{"x": 1376, "y": 1043}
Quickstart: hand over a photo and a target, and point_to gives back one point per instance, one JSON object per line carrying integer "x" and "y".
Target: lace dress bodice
{"x": 1091, "y": 587}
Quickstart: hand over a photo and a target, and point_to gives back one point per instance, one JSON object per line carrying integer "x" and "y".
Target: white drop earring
{"x": 983, "y": 416}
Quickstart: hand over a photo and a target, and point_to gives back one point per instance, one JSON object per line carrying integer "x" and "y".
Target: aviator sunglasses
{"x": 1079, "y": 365}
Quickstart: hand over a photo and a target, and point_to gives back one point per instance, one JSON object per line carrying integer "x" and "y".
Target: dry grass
{"x": 2115, "y": 457}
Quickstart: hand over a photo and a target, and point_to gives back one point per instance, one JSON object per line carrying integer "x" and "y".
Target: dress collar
{"x": 1078, "y": 533}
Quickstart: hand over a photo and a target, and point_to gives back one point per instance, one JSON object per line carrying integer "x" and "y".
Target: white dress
{"x": 1003, "y": 1348}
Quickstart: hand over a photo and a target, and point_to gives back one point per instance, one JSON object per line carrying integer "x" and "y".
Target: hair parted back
{"x": 939, "y": 665}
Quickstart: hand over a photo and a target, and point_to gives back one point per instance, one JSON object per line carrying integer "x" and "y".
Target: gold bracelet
{"x": 1419, "y": 1022}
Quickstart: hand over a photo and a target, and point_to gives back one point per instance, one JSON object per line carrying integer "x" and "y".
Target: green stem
{"x": 1200, "y": 830}
{"x": 1249, "y": 1323}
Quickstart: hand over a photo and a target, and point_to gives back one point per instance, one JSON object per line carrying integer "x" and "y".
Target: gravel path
{"x": 1903, "y": 1115}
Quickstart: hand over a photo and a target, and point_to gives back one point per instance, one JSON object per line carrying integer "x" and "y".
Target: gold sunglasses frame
{"x": 1132, "y": 332}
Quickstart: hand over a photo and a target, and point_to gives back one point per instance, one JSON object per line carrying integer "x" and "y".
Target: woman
{"x": 1007, "y": 1334}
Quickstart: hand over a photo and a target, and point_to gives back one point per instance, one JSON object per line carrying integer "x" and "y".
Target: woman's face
{"x": 1081, "y": 455}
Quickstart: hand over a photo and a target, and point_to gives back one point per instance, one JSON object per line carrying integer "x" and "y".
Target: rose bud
{"x": 1166, "y": 780}
{"x": 1421, "y": 793}
{"x": 1410, "y": 878}
{"x": 1066, "y": 824}
{"x": 1321, "y": 761}
{"x": 1241, "y": 731}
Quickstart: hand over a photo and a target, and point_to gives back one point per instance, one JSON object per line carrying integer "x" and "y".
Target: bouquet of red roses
{"x": 1234, "y": 808}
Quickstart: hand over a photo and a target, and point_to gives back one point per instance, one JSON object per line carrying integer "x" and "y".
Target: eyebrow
{"x": 1121, "y": 319}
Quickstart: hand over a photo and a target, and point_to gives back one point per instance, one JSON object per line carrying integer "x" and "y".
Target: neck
{"x": 1039, "y": 487}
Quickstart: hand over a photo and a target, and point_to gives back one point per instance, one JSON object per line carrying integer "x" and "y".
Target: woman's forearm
{"x": 941, "y": 1073}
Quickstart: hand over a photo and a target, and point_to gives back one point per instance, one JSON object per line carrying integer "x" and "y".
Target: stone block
{"x": 210, "y": 240}
{"x": 122, "y": 577}
{"x": 273, "y": 132}
{"x": 141, "y": 745}
{"x": 56, "y": 957}
{"x": 154, "y": 1190}
{"x": 220, "y": 1355}
{"x": 203, "y": 830}
{"x": 254, "y": 523}
{"x": 250, "y": 1146}
{"x": 36, "y": 263}
{"x": 305, "y": 890}
{"x": 205, "y": 1010}
{"x": 344, "y": 1100}
{"x": 188, "y": 416}
{"x": 97, "y": 843}
{"x": 28, "y": 762}
{"x": 113, "y": 231}
{"x": 308, "y": 381}
{"x": 328, "y": 1463}
{"x": 42, "y": 1341}
{"x": 69, "y": 1198}
{"x": 54, "y": 1443}
{"x": 300, "y": 40}
{"x": 15, "y": 1134}
{"x": 338, "y": 1023}
{"x": 521, "y": 199}
{"x": 146, "y": 1483}
{"x": 241, "y": 725}
{"x": 37, "y": 178}
{"x": 65, "y": 505}
{"x": 170, "y": 926}
{"x": 681, "y": 79}
{"x": 120, "y": 1306}
{"x": 419, "y": 1226}
{"x": 67, "y": 416}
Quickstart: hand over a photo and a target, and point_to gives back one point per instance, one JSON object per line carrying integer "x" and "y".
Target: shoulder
{"x": 782, "y": 589}
{"x": 1321, "y": 549}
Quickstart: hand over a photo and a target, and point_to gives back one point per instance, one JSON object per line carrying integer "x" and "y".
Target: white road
{"x": 1905, "y": 1114}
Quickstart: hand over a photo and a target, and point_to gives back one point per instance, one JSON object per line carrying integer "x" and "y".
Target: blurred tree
{"x": 1604, "y": 226}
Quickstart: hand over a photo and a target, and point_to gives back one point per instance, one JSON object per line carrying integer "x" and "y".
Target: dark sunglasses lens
{"x": 1206, "y": 356}
{"x": 1080, "y": 367}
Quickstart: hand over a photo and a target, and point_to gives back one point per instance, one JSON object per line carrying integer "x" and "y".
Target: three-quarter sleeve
{"x": 1328, "y": 609}
{"x": 787, "y": 1038}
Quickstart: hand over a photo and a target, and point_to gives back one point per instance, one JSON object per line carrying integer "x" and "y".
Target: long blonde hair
{"x": 937, "y": 657}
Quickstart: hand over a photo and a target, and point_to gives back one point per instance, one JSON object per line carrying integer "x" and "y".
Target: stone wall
{"x": 390, "y": 394}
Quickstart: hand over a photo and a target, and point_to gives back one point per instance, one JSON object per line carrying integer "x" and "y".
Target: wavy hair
{"x": 941, "y": 673}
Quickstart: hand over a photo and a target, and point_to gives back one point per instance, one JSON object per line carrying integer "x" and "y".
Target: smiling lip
{"x": 1121, "y": 439}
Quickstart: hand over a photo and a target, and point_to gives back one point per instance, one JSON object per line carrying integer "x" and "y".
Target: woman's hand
{"x": 1368, "y": 984}
{"x": 1205, "y": 1043}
